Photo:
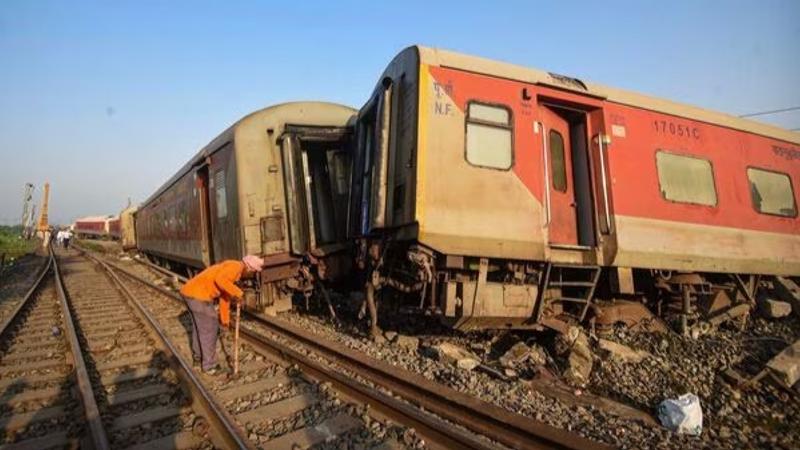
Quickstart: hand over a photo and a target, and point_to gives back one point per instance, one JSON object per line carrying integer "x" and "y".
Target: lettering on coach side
{"x": 786, "y": 152}
{"x": 676, "y": 129}
{"x": 442, "y": 107}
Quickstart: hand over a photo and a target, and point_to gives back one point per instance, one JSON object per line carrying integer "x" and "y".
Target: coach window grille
{"x": 771, "y": 192}
{"x": 559, "y": 164}
{"x": 489, "y": 136}
{"x": 221, "y": 194}
{"x": 686, "y": 179}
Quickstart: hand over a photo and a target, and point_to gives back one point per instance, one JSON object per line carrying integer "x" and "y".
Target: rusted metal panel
{"x": 501, "y": 306}
{"x": 632, "y": 314}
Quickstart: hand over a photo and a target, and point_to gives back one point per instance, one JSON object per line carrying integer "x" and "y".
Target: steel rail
{"x": 427, "y": 426}
{"x": 226, "y": 433}
{"x": 158, "y": 268}
{"x": 99, "y": 438}
{"x": 485, "y": 419}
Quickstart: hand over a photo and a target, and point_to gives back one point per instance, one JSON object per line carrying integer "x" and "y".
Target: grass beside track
{"x": 93, "y": 246}
{"x": 12, "y": 245}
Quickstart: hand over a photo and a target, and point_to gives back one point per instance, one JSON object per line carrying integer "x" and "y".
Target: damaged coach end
{"x": 268, "y": 185}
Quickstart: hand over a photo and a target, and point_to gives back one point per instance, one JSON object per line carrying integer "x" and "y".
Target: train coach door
{"x": 201, "y": 186}
{"x": 569, "y": 205}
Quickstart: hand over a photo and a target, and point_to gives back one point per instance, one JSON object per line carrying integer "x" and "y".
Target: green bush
{"x": 12, "y": 245}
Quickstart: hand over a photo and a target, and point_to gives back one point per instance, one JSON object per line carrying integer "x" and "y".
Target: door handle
{"x": 546, "y": 174}
{"x": 604, "y": 181}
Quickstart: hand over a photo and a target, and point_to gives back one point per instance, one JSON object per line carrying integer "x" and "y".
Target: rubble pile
{"x": 634, "y": 370}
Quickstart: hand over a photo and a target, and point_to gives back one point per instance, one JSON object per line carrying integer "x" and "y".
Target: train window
{"x": 771, "y": 192}
{"x": 686, "y": 179}
{"x": 222, "y": 197}
{"x": 558, "y": 164}
{"x": 486, "y": 113}
{"x": 489, "y": 136}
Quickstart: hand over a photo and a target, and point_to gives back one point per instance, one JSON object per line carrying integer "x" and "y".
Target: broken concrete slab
{"x": 785, "y": 366}
{"x": 390, "y": 335}
{"x": 520, "y": 353}
{"x": 580, "y": 359}
{"x": 516, "y": 355}
{"x": 579, "y": 366}
{"x": 774, "y": 309}
{"x": 456, "y": 355}
{"x": 787, "y": 290}
{"x": 538, "y": 356}
{"x": 731, "y": 313}
{"x": 622, "y": 352}
{"x": 407, "y": 342}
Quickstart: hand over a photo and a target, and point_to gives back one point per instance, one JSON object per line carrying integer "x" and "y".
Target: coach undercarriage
{"x": 471, "y": 293}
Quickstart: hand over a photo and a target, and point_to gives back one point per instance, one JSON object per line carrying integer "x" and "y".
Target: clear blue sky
{"x": 106, "y": 100}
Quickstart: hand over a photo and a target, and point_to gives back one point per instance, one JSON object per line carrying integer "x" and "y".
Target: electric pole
{"x": 26, "y": 206}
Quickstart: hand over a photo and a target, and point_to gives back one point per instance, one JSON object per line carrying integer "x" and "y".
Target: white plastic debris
{"x": 682, "y": 415}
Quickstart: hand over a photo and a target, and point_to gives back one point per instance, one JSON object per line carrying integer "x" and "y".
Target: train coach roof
{"x": 225, "y": 136}
{"x": 445, "y": 58}
{"x": 94, "y": 219}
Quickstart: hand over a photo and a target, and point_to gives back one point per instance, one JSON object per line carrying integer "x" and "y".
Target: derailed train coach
{"x": 97, "y": 227}
{"x": 269, "y": 185}
{"x": 496, "y": 195}
{"x": 127, "y": 227}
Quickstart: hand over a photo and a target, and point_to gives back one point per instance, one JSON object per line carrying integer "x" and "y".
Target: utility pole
{"x": 26, "y": 205}
{"x": 29, "y": 222}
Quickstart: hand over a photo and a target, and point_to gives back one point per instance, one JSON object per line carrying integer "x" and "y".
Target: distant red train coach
{"x": 97, "y": 227}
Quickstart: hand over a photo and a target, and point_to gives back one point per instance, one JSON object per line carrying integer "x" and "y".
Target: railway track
{"x": 442, "y": 416}
{"x": 39, "y": 407}
{"x": 79, "y": 368}
{"x": 139, "y": 392}
{"x": 277, "y": 404}
{"x": 15, "y": 284}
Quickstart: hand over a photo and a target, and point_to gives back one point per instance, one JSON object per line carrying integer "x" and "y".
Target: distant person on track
{"x": 215, "y": 284}
{"x": 66, "y": 237}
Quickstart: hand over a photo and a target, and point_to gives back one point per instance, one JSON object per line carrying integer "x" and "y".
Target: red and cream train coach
{"x": 506, "y": 196}
{"x": 97, "y": 227}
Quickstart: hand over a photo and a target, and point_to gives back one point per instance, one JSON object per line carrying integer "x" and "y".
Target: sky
{"x": 106, "y": 100}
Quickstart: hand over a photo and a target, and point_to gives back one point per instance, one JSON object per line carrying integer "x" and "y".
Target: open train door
{"x": 201, "y": 190}
{"x": 573, "y": 174}
{"x": 316, "y": 162}
{"x": 569, "y": 207}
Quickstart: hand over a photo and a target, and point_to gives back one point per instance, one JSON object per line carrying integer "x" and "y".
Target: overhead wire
{"x": 773, "y": 111}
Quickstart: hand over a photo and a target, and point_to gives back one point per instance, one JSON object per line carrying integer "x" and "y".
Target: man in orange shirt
{"x": 216, "y": 283}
